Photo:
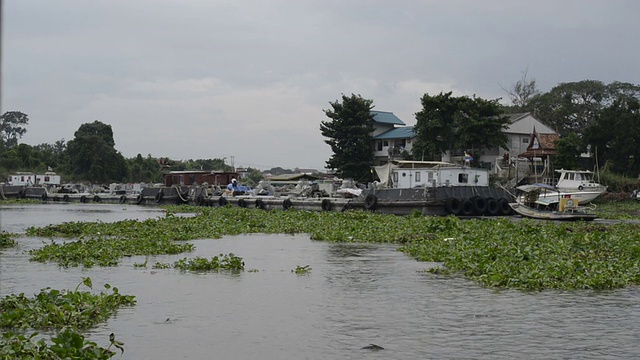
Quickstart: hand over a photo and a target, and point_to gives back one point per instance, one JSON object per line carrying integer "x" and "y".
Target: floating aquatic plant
{"x": 222, "y": 262}
{"x": 301, "y": 270}
{"x": 67, "y": 344}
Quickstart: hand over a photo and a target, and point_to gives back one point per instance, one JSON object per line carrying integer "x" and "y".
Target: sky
{"x": 249, "y": 81}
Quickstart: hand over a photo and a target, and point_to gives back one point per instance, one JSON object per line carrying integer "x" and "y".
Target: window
{"x": 525, "y": 140}
{"x": 417, "y": 176}
{"x": 379, "y": 145}
{"x": 385, "y": 143}
{"x": 46, "y": 179}
{"x": 463, "y": 178}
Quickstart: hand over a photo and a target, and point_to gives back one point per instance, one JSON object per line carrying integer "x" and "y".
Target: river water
{"x": 355, "y": 295}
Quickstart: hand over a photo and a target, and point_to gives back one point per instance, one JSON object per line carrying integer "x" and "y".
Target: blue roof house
{"x": 390, "y": 137}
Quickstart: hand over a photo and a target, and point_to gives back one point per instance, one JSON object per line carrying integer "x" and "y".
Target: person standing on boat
{"x": 233, "y": 185}
{"x": 467, "y": 159}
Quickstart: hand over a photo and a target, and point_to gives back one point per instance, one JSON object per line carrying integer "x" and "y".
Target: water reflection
{"x": 355, "y": 294}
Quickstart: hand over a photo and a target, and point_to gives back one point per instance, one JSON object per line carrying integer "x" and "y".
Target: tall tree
{"x": 458, "y": 123}
{"x": 521, "y": 93}
{"x": 568, "y": 149}
{"x": 12, "y": 127}
{"x": 349, "y": 133}
{"x": 93, "y": 156}
{"x": 614, "y": 136}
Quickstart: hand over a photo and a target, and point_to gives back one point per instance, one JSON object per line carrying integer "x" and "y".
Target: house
{"x": 390, "y": 137}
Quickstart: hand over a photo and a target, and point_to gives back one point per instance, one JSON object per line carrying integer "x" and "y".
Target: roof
{"x": 294, "y": 177}
{"x": 397, "y": 133}
{"x": 386, "y": 117}
{"x": 525, "y": 123}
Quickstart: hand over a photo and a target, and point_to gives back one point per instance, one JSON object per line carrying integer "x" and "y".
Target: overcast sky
{"x": 248, "y": 80}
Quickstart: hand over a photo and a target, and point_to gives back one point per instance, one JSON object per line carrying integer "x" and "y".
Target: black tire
{"x": 65, "y": 198}
{"x": 347, "y": 207}
{"x": 96, "y": 198}
{"x": 503, "y": 205}
{"x": 200, "y": 200}
{"x": 44, "y": 196}
{"x": 222, "y": 201}
{"x": 492, "y": 207}
{"x": 370, "y": 202}
{"x": 139, "y": 199}
{"x": 467, "y": 207}
{"x": 479, "y": 205}
{"x": 326, "y": 205}
{"x": 453, "y": 206}
{"x": 22, "y": 193}
{"x": 260, "y": 204}
{"x": 123, "y": 199}
{"x": 83, "y": 199}
{"x": 242, "y": 203}
{"x": 159, "y": 196}
{"x": 287, "y": 204}
{"x": 56, "y": 198}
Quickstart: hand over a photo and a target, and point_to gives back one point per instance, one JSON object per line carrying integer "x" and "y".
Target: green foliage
{"x": 614, "y": 134}
{"x": 348, "y": 134}
{"x": 12, "y": 127}
{"x": 93, "y": 156}
{"x": 6, "y": 239}
{"x": 55, "y": 309}
{"x": 216, "y": 263}
{"x": 302, "y": 270}
{"x": 67, "y": 344}
{"x": 568, "y": 150}
{"x": 458, "y": 123}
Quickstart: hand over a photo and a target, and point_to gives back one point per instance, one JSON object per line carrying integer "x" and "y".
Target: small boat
{"x": 548, "y": 191}
{"x": 558, "y": 207}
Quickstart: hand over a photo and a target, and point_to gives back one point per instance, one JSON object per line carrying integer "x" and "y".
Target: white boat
{"x": 578, "y": 180}
{"x": 551, "y": 207}
{"x": 550, "y": 192}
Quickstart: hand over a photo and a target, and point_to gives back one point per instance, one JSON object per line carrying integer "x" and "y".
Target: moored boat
{"x": 554, "y": 206}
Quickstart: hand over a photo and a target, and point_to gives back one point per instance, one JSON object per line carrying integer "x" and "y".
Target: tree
{"x": 92, "y": 154}
{"x": 521, "y": 93}
{"x": 12, "y": 128}
{"x": 349, "y": 133}
{"x": 614, "y": 136}
{"x": 568, "y": 150}
{"x": 458, "y": 123}
{"x": 571, "y": 107}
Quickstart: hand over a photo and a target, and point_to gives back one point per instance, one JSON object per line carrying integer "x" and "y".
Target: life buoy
{"x": 83, "y": 199}
{"x": 580, "y": 187}
{"x": 492, "y": 207}
{"x": 139, "y": 199}
{"x": 370, "y": 202}
{"x": 467, "y": 207}
{"x": 96, "y": 198}
{"x": 44, "y": 196}
{"x": 287, "y": 204}
{"x": 159, "y": 196}
{"x": 222, "y": 201}
{"x": 22, "y": 193}
{"x": 453, "y": 206}
{"x": 479, "y": 205}
{"x": 242, "y": 203}
{"x": 326, "y": 205}
{"x": 347, "y": 207}
{"x": 123, "y": 199}
{"x": 56, "y": 198}
{"x": 65, "y": 198}
{"x": 260, "y": 204}
{"x": 503, "y": 205}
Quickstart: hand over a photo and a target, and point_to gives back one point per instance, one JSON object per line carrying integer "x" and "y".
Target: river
{"x": 355, "y": 295}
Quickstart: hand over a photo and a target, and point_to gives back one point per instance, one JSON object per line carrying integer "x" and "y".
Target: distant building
{"x": 391, "y": 137}
{"x": 30, "y": 179}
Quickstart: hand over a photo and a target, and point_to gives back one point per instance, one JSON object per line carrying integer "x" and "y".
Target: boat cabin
{"x": 188, "y": 178}
{"x": 414, "y": 174}
{"x": 578, "y": 180}
{"x": 29, "y": 179}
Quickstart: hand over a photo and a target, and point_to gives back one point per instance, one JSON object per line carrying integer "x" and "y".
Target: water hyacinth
{"x": 496, "y": 252}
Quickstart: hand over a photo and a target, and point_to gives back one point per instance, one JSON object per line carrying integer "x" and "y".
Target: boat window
{"x": 571, "y": 177}
{"x": 395, "y": 177}
{"x": 463, "y": 178}
{"x": 430, "y": 175}
{"x": 417, "y": 176}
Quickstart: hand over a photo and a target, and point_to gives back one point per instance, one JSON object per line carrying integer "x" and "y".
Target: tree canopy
{"x": 92, "y": 154}
{"x": 12, "y": 128}
{"x": 349, "y": 133}
{"x": 458, "y": 123}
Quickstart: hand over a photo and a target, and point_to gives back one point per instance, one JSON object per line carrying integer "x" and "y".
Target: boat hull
{"x": 529, "y": 212}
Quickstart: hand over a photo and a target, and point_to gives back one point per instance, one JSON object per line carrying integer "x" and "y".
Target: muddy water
{"x": 355, "y": 295}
